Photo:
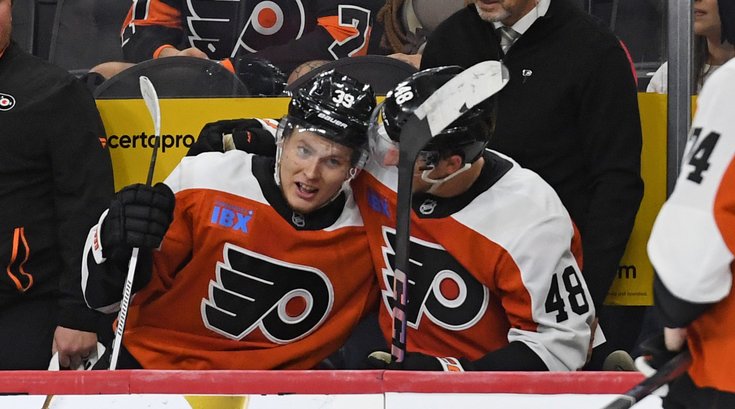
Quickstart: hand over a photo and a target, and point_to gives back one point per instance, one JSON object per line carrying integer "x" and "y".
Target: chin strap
{"x": 437, "y": 182}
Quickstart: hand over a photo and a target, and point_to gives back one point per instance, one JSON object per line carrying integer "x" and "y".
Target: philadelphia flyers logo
{"x": 284, "y": 301}
{"x": 272, "y": 23}
{"x": 224, "y": 28}
{"x": 7, "y": 102}
{"x": 439, "y": 287}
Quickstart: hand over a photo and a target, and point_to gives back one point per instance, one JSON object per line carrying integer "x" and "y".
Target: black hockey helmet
{"x": 467, "y": 136}
{"x": 260, "y": 76}
{"x": 727, "y": 19}
{"x": 336, "y": 107}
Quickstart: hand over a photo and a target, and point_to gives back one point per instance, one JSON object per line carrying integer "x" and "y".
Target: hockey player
{"x": 495, "y": 282}
{"x": 692, "y": 246}
{"x": 264, "y": 263}
{"x": 286, "y": 33}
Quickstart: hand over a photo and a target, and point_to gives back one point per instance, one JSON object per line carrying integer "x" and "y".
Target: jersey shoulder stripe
{"x": 229, "y": 172}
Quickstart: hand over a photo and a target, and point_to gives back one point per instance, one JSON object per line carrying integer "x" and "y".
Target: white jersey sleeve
{"x": 692, "y": 241}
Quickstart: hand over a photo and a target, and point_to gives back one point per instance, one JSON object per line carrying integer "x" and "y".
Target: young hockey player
{"x": 246, "y": 262}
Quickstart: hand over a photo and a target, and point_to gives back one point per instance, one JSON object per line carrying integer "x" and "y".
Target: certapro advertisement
{"x": 130, "y": 130}
{"x": 130, "y": 138}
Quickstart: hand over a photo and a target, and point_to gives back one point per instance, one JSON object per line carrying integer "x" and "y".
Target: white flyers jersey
{"x": 693, "y": 239}
{"x": 497, "y": 264}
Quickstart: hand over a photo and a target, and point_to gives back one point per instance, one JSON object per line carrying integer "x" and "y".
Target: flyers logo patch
{"x": 284, "y": 301}
{"x": 439, "y": 287}
{"x": 7, "y": 102}
{"x": 272, "y": 22}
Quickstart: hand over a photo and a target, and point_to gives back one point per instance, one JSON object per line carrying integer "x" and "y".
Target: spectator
{"x": 253, "y": 262}
{"x": 407, "y": 23}
{"x": 285, "y": 36}
{"x": 481, "y": 290}
{"x": 55, "y": 174}
{"x": 569, "y": 113}
{"x": 711, "y": 49}
{"x": 692, "y": 246}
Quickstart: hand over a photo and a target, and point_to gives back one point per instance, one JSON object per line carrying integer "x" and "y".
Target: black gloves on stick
{"x": 139, "y": 216}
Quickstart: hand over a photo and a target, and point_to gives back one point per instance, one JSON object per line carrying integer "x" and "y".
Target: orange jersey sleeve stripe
{"x": 337, "y": 31}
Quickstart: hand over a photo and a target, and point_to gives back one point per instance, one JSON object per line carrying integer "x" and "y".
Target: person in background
{"x": 246, "y": 261}
{"x": 692, "y": 247}
{"x": 407, "y": 23}
{"x": 285, "y": 34}
{"x": 711, "y": 49}
{"x": 578, "y": 128}
{"x": 55, "y": 175}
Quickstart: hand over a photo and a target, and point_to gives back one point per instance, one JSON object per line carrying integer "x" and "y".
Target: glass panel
{"x": 641, "y": 25}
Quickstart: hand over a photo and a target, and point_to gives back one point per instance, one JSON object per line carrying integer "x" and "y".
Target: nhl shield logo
{"x": 7, "y": 102}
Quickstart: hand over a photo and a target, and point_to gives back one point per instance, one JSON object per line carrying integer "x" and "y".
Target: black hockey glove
{"x": 245, "y": 134}
{"x": 655, "y": 352}
{"x": 139, "y": 216}
{"x": 414, "y": 361}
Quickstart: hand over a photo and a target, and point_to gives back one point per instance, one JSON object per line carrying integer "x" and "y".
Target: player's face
{"x": 706, "y": 18}
{"x": 5, "y": 24}
{"x": 505, "y": 11}
{"x": 418, "y": 185}
{"x": 312, "y": 170}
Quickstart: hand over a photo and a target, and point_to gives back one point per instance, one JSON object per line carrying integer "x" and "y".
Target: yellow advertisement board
{"x": 633, "y": 284}
{"x": 130, "y": 128}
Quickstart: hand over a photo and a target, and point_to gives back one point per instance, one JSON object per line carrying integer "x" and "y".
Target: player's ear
{"x": 453, "y": 163}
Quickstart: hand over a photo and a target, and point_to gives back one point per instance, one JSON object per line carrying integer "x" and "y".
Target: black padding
{"x": 174, "y": 77}
{"x": 379, "y": 71}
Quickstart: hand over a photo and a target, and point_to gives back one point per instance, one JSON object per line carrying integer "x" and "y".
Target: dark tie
{"x": 507, "y": 37}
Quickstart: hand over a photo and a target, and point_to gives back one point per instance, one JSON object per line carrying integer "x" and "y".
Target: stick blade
{"x": 461, "y": 93}
{"x": 150, "y": 96}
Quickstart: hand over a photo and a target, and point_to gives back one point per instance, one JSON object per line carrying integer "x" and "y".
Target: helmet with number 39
{"x": 336, "y": 107}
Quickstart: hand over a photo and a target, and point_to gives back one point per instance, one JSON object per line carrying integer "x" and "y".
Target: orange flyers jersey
{"x": 693, "y": 239}
{"x": 488, "y": 267}
{"x": 285, "y": 32}
{"x": 237, "y": 285}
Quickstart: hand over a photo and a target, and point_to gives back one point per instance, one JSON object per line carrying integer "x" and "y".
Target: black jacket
{"x": 570, "y": 113}
{"x": 55, "y": 180}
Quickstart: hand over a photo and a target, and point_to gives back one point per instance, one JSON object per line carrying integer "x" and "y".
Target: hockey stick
{"x": 444, "y": 106}
{"x": 151, "y": 101}
{"x": 667, "y": 373}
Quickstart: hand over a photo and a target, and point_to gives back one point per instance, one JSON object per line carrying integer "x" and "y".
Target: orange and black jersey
{"x": 285, "y": 32}
{"x": 495, "y": 268}
{"x": 240, "y": 280}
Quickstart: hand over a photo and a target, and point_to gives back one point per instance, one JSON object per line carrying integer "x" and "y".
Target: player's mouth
{"x": 304, "y": 191}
